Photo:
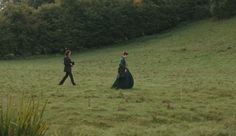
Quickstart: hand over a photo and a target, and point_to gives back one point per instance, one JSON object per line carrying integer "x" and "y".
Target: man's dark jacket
{"x": 68, "y": 64}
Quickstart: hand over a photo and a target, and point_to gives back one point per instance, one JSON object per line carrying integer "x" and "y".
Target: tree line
{"x": 35, "y": 27}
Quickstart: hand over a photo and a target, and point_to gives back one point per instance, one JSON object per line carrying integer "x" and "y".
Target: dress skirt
{"x": 124, "y": 81}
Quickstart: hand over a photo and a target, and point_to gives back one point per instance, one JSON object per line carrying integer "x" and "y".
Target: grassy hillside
{"x": 185, "y": 84}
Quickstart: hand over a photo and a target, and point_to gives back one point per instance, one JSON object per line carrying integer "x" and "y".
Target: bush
{"x": 27, "y": 29}
{"x": 223, "y": 8}
{"x": 25, "y": 119}
{"x": 18, "y": 30}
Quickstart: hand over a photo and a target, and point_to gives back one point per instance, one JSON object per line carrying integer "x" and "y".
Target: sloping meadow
{"x": 185, "y": 84}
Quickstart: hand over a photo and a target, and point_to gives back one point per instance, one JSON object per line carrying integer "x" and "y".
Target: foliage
{"x": 17, "y": 30}
{"x": 30, "y": 27}
{"x": 23, "y": 118}
{"x": 223, "y": 8}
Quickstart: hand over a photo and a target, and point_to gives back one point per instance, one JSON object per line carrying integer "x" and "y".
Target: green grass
{"x": 185, "y": 85}
{"x": 22, "y": 118}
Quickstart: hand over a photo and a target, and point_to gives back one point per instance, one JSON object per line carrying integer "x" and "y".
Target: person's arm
{"x": 122, "y": 67}
{"x": 72, "y": 62}
{"x": 67, "y": 62}
{"x": 123, "y": 63}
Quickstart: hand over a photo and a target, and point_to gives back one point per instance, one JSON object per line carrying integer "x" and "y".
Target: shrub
{"x": 50, "y": 26}
{"x": 22, "y": 119}
{"x": 223, "y": 8}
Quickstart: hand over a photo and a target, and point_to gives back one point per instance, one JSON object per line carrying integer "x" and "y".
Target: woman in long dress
{"x": 124, "y": 79}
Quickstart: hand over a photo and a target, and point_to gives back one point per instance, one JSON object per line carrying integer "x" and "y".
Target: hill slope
{"x": 185, "y": 83}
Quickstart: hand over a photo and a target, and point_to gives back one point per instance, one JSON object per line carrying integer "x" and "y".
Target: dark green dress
{"x": 124, "y": 78}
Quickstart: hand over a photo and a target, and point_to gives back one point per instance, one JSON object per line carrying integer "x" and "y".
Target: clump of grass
{"x": 22, "y": 119}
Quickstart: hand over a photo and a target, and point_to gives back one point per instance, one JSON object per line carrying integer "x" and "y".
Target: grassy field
{"x": 185, "y": 85}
